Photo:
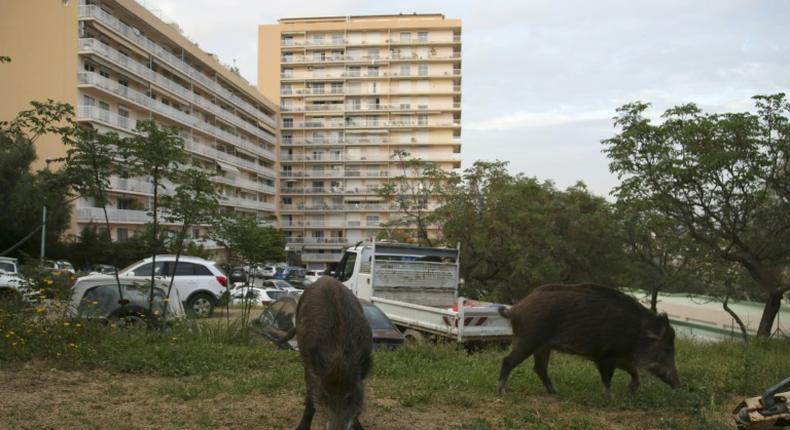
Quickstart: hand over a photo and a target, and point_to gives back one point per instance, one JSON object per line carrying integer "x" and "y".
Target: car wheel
{"x": 414, "y": 337}
{"x": 200, "y": 305}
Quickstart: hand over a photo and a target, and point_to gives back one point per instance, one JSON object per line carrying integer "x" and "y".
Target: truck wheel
{"x": 414, "y": 337}
{"x": 200, "y": 305}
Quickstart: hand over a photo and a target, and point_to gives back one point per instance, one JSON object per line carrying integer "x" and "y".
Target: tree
{"x": 25, "y": 193}
{"x": 722, "y": 177}
{"x": 194, "y": 202}
{"x": 411, "y": 192}
{"x": 90, "y": 161}
{"x": 156, "y": 152}
{"x": 517, "y": 233}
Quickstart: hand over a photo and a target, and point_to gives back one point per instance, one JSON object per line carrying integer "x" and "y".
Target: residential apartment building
{"x": 118, "y": 63}
{"x": 352, "y": 91}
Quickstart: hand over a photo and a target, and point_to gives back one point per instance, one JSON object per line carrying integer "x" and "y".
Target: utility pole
{"x": 43, "y": 232}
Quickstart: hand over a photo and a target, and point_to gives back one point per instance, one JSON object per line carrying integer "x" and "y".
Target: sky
{"x": 542, "y": 79}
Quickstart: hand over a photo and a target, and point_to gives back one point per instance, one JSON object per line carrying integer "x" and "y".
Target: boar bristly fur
{"x": 335, "y": 344}
{"x": 599, "y": 323}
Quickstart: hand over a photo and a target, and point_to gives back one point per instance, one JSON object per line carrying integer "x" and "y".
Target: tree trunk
{"x": 153, "y": 254}
{"x": 769, "y": 313}
{"x": 654, "y": 300}
{"x": 737, "y": 319}
{"x": 175, "y": 266}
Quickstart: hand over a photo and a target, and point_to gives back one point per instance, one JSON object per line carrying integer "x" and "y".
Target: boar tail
{"x": 505, "y": 312}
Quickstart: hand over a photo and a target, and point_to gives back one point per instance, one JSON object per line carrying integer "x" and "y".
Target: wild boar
{"x": 335, "y": 344}
{"x": 596, "y": 322}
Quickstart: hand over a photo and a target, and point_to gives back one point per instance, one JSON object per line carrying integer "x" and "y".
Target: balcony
{"x": 349, "y": 207}
{"x": 294, "y": 59}
{"x": 317, "y": 240}
{"x": 246, "y": 203}
{"x": 230, "y": 158}
{"x": 142, "y": 100}
{"x": 329, "y": 142}
{"x": 132, "y": 34}
{"x": 116, "y": 216}
{"x": 105, "y": 51}
{"x": 313, "y": 224}
{"x": 245, "y": 183}
{"x": 314, "y": 257}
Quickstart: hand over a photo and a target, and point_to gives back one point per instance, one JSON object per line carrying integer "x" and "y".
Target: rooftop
{"x": 355, "y": 18}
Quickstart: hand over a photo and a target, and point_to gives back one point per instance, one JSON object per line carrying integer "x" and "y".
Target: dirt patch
{"x": 35, "y": 397}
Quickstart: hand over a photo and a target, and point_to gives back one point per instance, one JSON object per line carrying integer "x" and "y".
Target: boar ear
{"x": 658, "y": 327}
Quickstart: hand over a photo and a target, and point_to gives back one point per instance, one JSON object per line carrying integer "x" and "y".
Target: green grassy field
{"x": 248, "y": 382}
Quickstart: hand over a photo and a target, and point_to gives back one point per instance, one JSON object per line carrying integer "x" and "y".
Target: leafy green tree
{"x": 722, "y": 177}
{"x": 411, "y": 192}
{"x": 25, "y": 193}
{"x": 157, "y": 152}
{"x": 517, "y": 233}
{"x": 194, "y": 202}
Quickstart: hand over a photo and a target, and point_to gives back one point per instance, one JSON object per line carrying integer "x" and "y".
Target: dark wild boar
{"x": 596, "y": 322}
{"x": 335, "y": 343}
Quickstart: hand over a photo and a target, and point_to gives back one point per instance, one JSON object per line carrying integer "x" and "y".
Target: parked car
{"x": 313, "y": 275}
{"x": 282, "y": 285}
{"x": 200, "y": 284}
{"x": 59, "y": 266}
{"x": 237, "y": 274}
{"x": 12, "y": 284}
{"x": 257, "y": 296}
{"x": 103, "y": 269}
{"x": 268, "y": 270}
{"x": 97, "y": 297}
{"x": 294, "y": 275}
{"x": 280, "y": 317}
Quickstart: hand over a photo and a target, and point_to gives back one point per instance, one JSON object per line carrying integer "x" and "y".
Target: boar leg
{"x": 357, "y": 425}
{"x": 606, "y": 369}
{"x": 541, "y": 368}
{"x": 521, "y": 351}
{"x": 631, "y": 369}
{"x": 307, "y": 417}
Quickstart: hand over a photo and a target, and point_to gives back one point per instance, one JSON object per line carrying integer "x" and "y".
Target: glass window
{"x": 376, "y": 318}
{"x": 405, "y": 36}
{"x": 422, "y": 36}
{"x": 373, "y": 53}
{"x": 145, "y": 269}
{"x": 121, "y": 234}
{"x": 423, "y": 69}
{"x": 405, "y": 70}
{"x": 288, "y": 122}
{"x": 347, "y": 267}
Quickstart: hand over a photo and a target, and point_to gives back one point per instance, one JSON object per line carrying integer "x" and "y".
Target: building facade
{"x": 117, "y": 63}
{"x": 352, "y": 92}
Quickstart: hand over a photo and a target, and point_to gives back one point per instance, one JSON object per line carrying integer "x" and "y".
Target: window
{"x": 145, "y": 269}
{"x": 318, "y": 72}
{"x": 123, "y": 117}
{"x": 286, "y": 89}
{"x": 89, "y": 67}
{"x": 122, "y": 80}
{"x": 337, "y": 39}
{"x": 405, "y": 36}
{"x": 337, "y": 87}
{"x": 104, "y": 111}
{"x": 288, "y": 73}
{"x": 88, "y": 101}
{"x": 125, "y": 203}
{"x": 422, "y": 70}
{"x": 195, "y": 233}
{"x": 121, "y": 234}
{"x": 422, "y": 119}
{"x": 287, "y": 40}
{"x": 104, "y": 73}
{"x": 373, "y": 71}
{"x": 353, "y": 71}
{"x": 405, "y": 70}
{"x": 288, "y": 122}
{"x": 373, "y": 53}
{"x": 346, "y": 267}
{"x": 287, "y": 139}
{"x": 372, "y": 220}
{"x": 422, "y": 36}
{"x": 189, "y": 269}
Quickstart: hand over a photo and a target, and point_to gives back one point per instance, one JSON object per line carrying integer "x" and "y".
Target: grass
{"x": 428, "y": 385}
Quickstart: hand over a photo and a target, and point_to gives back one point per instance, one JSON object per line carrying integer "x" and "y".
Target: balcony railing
{"x": 321, "y": 257}
{"x": 246, "y": 203}
{"x": 318, "y": 240}
{"x": 95, "y": 46}
{"x": 336, "y": 141}
{"x": 125, "y": 216}
{"x": 293, "y": 59}
{"x": 340, "y": 207}
{"x": 89, "y": 78}
{"x": 245, "y": 183}
{"x": 230, "y": 158}
{"x": 134, "y": 35}
{"x": 313, "y": 224}
{"x": 330, "y": 190}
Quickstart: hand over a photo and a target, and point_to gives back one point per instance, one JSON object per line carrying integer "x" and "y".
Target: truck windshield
{"x": 347, "y": 266}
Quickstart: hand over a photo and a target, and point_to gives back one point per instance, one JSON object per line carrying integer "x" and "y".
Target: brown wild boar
{"x": 335, "y": 343}
{"x": 596, "y": 322}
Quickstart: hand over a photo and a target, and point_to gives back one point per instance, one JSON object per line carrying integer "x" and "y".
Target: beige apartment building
{"x": 353, "y": 90}
{"x": 117, "y": 63}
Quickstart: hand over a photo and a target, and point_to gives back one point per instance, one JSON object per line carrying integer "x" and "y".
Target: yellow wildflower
{"x": 48, "y": 281}
{"x": 66, "y": 324}
{"x": 40, "y": 309}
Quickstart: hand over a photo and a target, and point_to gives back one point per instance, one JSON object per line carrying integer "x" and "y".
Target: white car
{"x": 200, "y": 283}
{"x": 98, "y": 297}
{"x": 313, "y": 275}
{"x": 283, "y": 286}
{"x": 11, "y": 282}
{"x": 256, "y": 296}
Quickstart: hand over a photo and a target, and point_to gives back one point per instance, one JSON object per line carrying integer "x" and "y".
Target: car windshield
{"x": 281, "y": 284}
{"x": 8, "y": 267}
{"x": 276, "y": 295}
{"x": 376, "y": 318}
{"x": 102, "y": 300}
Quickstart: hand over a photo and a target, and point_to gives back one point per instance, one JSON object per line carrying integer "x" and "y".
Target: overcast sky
{"x": 542, "y": 79}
